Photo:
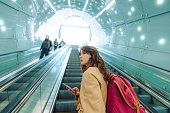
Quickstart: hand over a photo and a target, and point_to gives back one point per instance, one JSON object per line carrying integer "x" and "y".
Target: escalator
{"x": 14, "y": 90}
{"x": 65, "y": 102}
{"x": 17, "y": 89}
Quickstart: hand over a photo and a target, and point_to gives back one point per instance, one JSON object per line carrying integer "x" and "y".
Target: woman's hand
{"x": 77, "y": 92}
{"x": 75, "y": 89}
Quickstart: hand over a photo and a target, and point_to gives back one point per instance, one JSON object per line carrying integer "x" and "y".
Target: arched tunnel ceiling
{"x": 93, "y": 8}
{"x": 122, "y": 12}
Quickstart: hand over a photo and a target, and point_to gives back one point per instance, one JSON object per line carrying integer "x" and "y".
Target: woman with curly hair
{"x": 93, "y": 92}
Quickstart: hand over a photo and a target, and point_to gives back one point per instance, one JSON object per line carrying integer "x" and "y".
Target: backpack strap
{"x": 136, "y": 102}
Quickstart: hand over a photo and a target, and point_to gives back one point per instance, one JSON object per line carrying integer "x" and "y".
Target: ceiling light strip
{"x": 69, "y": 4}
{"x": 84, "y": 8}
{"x": 106, "y": 8}
{"x": 48, "y": 1}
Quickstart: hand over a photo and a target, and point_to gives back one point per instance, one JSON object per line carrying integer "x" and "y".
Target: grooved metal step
{"x": 72, "y": 80}
{"x": 73, "y": 74}
{"x": 63, "y": 87}
{"x": 65, "y": 106}
{"x": 65, "y": 102}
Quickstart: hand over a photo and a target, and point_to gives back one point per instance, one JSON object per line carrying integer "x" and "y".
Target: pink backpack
{"x": 121, "y": 97}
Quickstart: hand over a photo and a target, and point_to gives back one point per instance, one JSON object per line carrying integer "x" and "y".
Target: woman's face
{"x": 84, "y": 58}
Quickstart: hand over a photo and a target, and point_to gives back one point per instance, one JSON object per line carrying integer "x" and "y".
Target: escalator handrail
{"x": 16, "y": 52}
{"x": 151, "y": 66}
{"x": 111, "y": 54}
{"x": 143, "y": 86}
{"x": 18, "y": 76}
{"x": 53, "y": 95}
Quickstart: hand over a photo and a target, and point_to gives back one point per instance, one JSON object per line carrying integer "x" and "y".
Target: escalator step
{"x": 160, "y": 109}
{"x": 25, "y": 79}
{"x": 73, "y": 74}
{"x": 146, "y": 98}
{"x": 63, "y": 87}
{"x": 3, "y": 95}
{"x": 72, "y": 79}
{"x": 3, "y": 104}
{"x": 65, "y": 94}
{"x": 10, "y": 95}
{"x": 72, "y": 64}
{"x": 65, "y": 106}
{"x": 17, "y": 86}
{"x": 136, "y": 89}
{"x": 65, "y": 112}
{"x": 73, "y": 70}
{"x": 73, "y": 67}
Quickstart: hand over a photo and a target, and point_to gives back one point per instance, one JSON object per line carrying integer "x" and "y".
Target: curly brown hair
{"x": 95, "y": 61}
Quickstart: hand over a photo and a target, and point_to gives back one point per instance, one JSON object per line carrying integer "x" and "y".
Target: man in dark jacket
{"x": 45, "y": 47}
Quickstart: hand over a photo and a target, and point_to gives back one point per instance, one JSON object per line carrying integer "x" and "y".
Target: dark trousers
{"x": 55, "y": 47}
{"x": 44, "y": 52}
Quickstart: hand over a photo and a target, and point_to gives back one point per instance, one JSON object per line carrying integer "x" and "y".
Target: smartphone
{"x": 69, "y": 88}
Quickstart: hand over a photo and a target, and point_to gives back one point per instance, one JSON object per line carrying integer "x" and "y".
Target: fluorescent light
{"x": 139, "y": 28}
{"x": 106, "y": 8}
{"x": 142, "y": 37}
{"x": 14, "y": 0}
{"x": 160, "y": 2}
{"x": 132, "y": 40}
{"x": 120, "y": 29}
{"x": 129, "y": 13}
{"x": 69, "y": 4}
{"x": 3, "y": 28}
{"x": 115, "y": 12}
{"x": 132, "y": 9}
{"x": 30, "y": 6}
{"x": 1, "y": 22}
{"x": 161, "y": 41}
{"x": 110, "y": 4}
{"x": 48, "y": 1}
{"x": 84, "y": 8}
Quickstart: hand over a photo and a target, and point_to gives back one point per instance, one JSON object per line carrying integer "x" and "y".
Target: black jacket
{"x": 47, "y": 44}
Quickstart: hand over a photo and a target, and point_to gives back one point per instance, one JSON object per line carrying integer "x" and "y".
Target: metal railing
{"x": 149, "y": 90}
